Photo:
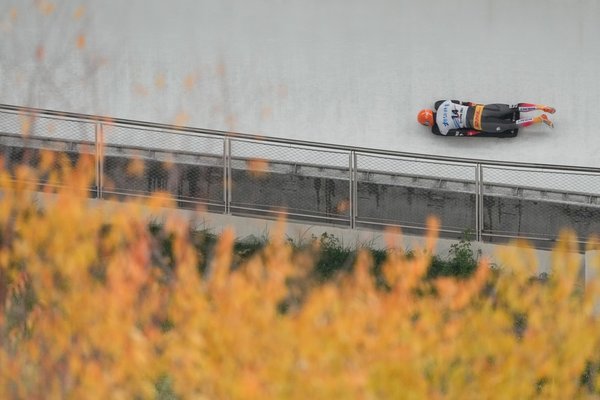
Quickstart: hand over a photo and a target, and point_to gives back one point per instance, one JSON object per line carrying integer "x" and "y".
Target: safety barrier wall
{"x": 245, "y": 175}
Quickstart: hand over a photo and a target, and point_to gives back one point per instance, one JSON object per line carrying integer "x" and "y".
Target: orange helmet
{"x": 425, "y": 117}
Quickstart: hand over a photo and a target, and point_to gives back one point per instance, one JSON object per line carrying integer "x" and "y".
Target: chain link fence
{"x": 349, "y": 187}
{"x": 399, "y": 191}
{"x": 538, "y": 203}
{"x": 138, "y": 162}
{"x": 24, "y": 137}
{"x": 311, "y": 184}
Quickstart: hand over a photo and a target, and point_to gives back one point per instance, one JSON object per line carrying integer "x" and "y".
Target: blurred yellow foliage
{"x": 90, "y": 308}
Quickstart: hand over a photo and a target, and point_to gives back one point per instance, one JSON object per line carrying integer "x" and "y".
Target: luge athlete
{"x": 457, "y": 118}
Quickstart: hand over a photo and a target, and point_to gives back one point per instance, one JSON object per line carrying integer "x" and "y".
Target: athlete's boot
{"x": 547, "y": 121}
{"x": 548, "y": 109}
{"x": 527, "y": 107}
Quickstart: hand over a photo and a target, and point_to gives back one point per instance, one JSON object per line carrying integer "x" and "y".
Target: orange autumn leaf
{"x": 160, "y": 81}
{"x": 169, "y": 162}
{"x": 79, "y": 12}
{"x": 182, "y": 119}
{"x": 266, "y": 113}
{"x": 343, "y": 206}
{"x": 46, "y": 7}
{"x": 231, "y": 121}
{"x": 136, "y": 167}
{"x": 190, "y": 81}
{"x": 160, "y": 199}
{"x": 81, "y": 41}
{"x": 26, "y": 124}
{"x": 140, "y": 90}
{"x": 47, "y": 161}
{"x": 257, "y": 167}
{"x": 40, "y": 53}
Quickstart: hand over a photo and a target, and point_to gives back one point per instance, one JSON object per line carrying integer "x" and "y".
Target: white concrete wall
{"x": 340, "y": 71}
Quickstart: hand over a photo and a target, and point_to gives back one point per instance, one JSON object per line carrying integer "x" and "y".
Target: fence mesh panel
{"x": 404, "y": 192}
{"x": 39, "y": 126}
{"x": 23, "y": 138}
{"x": 306, "y": 184}
{"x": 138, "y": 162}
{"x": 538, "y": 204}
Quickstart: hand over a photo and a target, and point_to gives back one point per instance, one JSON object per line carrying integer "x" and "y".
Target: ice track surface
{"x": 338, "y": 71}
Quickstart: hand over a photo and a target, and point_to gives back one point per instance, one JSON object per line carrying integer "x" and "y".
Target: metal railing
{"x": 318, "y": 183}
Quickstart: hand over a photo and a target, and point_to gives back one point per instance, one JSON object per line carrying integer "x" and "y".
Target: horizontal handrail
{"x": 295, "y": 142}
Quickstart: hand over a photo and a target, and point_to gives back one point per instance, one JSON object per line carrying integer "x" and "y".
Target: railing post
{"x": 353, "y": 190}
{"x": 227, "y": 179}
{"x": 479, "y": 202}
{"x": 98, "y": 147}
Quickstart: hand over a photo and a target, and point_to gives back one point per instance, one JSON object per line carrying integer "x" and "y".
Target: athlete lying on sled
{"x": 457, "y": 118}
